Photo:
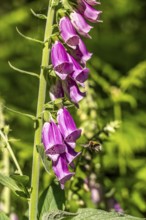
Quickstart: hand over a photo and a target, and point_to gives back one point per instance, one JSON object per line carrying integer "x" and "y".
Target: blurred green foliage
{"x": 115, "y": 91}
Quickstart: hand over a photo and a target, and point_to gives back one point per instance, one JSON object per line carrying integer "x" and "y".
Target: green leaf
{"x": 86, "y": 214}
{"x": 41, "y": 16}
{"x": 29, "y": 38}
{"x": 23, "y": 71}
{"x": 58, "y": 215}
{"x": 3, "y": 216}
{"x": 20, "y": 113}
{"x": 52, "y": 198}
{"x": 24, "y": 180}
{"x": 15, "y": 186}
{"x": 45, "y": 160}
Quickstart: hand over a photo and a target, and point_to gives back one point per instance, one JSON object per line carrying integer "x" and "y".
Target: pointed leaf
{"x": 20, "y": 113}
{"x": 29, "y": 38}
{"x": 45, "y": 160}
{"x": 41, "y": 16}
{"x": 24, "y": 180}
{"x": 17, "y": 188}
{"x": 23, "y": 71}
{"x": 86, "y": 214}
{"x": 52, "y": 198}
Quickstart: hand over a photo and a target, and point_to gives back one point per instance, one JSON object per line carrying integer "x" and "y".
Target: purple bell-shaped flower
{"x": 67, "y": 126}
{"x": 52, "y": 140}
{"x": 90, "y": 13}
{"x": 81, "y": 53}
{"x": 60, "y": 60}
{"x": 72, "y": 91}
{"x": 68, "y": 32}
{"x": 80, "y": 24}
{"x": 79, "y": 73}
{"x": 61, "y": 170}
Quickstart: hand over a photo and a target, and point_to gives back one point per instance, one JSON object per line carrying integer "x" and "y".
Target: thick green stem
{"x": 33, "y": 206}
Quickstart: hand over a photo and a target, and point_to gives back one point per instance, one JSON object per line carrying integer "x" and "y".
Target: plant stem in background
{"x": 11, "y": 152}
{"x": 33, "y": 206}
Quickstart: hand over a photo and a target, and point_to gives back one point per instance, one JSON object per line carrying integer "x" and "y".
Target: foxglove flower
{"x": 72, "y": 91}
{"x": 56, "y": 90}
{"x": 92, "y": 2}
{"x": 88, "y": 11}
{"x": 67, "y": 126}
{"x": 68, "y": 32}
{"x": 80, "y": 24}
{"x": 61, "y": 170}
{"x": 81, "y": 53}
{"x": 52, "y": 140}
{"x": 79, "y": 74}
{"x": 60, "y": 60}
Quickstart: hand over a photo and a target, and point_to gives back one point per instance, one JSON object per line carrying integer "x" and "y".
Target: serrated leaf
{"x": 45, "y": 160}
{"x": 17, "y": 188}
{"x": 52, "y": 198}
{"x": 3, "y": 216}
{"x": 58, "y": 215}
{"x": 29, "y": 38}
{"x": 86, "y": 214}
{"x": 41, "y": 16}
{"x": 23, "y": 71}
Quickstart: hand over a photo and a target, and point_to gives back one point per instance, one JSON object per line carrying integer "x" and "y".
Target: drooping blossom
{"x": 56, "y": 90}
{"x": 79, "y": 73}
{"x": 81, "y": 53}
{"x": 52, "y": 140}
{"x": 60, "y": 60}
{"x": 67, "y": 126}
{"x": 80, "y": 24}
{"x": 90, "y": 13}
{"x": 68, "y": 32}
{"x": 72, "y": 91}
{"x": 61, "y": 170}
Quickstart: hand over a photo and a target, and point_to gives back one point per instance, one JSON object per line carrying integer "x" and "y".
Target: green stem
{"x": 6, "y": 191}
{"x": 33, "y": 206}
{"x": 11, "y": 152}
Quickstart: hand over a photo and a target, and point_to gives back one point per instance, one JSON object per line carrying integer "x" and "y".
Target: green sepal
{"x": 23, "y": 71}
{"x": 40, "y": 16}
{"x": 29, "y": 38}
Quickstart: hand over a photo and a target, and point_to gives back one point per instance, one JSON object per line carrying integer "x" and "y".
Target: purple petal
{"x": 60, "y": 60}
{"x": 56, "y": 90}
{"x": 80, "y": 24}
{"x": 68, "y": 32}
{"x": 71, "y": 155}
{"x": 88, "y": 11}
{"x": 79, "y": 74}
{"x": 52, "y": 139}
{"x": 81, "y": 53}
{"x": 92, "y": 2}
{"x": 67, "y": 126}
{"x": 72, "y": 91}
{"x": 61, "y": 170}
